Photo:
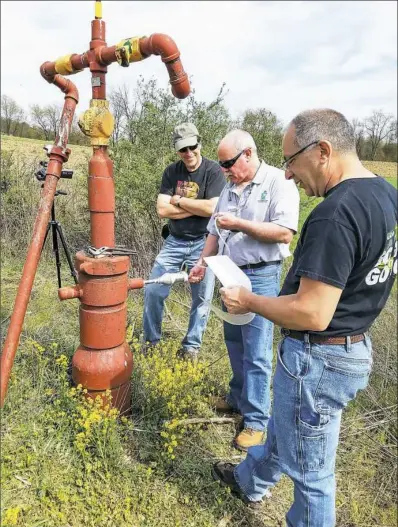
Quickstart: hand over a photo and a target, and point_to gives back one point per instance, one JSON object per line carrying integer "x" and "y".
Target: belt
{"x": 319, "y": 339}
{"x": 259, "y": 264}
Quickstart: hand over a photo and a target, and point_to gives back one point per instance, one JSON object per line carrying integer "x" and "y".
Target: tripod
{"x": 56, "y": 230}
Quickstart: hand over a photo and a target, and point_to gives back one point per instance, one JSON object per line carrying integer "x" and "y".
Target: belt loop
{"x": 348, "y": 344}
{"x": 307, "y": 341}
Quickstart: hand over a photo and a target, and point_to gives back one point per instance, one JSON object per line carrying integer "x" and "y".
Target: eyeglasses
{"x": 230, "y": 162}
{"x": 288, "y": 161}
{"x": 186, "y": 148}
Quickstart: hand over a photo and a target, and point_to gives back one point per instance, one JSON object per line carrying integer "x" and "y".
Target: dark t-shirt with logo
{"x": 350, "y": 241}
{"x": 205, "y": 182}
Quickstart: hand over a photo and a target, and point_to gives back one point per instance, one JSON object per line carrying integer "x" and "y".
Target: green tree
{"x": 267, "y": 132}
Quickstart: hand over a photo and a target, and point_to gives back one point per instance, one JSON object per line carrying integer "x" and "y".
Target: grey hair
{"x": 240, "y": 140}
{"x": 332, "y": 126}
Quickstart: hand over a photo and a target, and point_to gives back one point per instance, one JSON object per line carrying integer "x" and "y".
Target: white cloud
{"x": 285, "y": 56}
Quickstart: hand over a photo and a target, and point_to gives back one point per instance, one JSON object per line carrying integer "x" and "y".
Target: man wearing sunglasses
{"x": 188, "y": 194}
{"x": 253, "y": 223}
{"x": 342, "y": 274}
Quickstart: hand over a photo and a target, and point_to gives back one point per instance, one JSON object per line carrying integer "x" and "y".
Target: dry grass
{"x": 382, "y": 168}
{"x": 33, "y": 148}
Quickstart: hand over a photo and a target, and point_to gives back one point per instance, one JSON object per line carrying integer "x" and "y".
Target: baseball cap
{"x": 185, "y": 134}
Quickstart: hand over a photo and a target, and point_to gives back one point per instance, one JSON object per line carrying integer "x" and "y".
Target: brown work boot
{"x": 220, "y": 404}
{"x": 248, "y": 437}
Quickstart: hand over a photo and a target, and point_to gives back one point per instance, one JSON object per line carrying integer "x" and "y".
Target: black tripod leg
{"x": 67, "y": 253}
{"x": 45, "y": 237}
{"x": 54, "y": 227}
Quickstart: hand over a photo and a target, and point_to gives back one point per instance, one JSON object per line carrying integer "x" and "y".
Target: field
{"x": 69, "y": 464}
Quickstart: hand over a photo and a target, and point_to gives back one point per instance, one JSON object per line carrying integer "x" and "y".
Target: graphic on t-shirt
{"x": 187, "y": 189}
{"x": 387, "y": 263}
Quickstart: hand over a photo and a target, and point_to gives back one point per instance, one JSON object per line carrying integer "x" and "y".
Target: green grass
{"x": 66, "y": 464}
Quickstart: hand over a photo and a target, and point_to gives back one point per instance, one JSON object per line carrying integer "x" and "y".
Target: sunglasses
{"x": 230, "y": 162}
{"x": 186, "y": 148}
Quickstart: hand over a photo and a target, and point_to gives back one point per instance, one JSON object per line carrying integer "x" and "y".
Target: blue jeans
{"x": 250, "y": 353}
{"x": 312, "y": 385}
{"x": 174, "y": 253}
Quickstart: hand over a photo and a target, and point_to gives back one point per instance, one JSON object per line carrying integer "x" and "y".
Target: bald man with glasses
{"x": 253, "y": 223}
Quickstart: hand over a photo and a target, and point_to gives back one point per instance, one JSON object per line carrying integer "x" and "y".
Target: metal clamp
{"x": 118, "y": 250}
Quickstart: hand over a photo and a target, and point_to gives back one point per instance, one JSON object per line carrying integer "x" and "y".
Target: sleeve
{"x": 215, "y": 183}
{"x": 167, "y": 185}
{"x": 284, "y": 206}
{"x": 328, "y": 252}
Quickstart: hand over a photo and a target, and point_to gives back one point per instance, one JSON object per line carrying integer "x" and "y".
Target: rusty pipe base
{"x": 103, "y": 361}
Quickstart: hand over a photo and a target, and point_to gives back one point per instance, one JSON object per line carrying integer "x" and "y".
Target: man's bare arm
{"x": 310, "y": 309}
{"x": 166, "y": 210}
{"x": 199, "y": 207}
{"x": 262, "y": 231}
{"x": 210, "y": 248}
{"x": 266, "y": 231}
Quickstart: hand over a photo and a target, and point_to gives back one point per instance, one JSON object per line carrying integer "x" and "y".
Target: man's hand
{"x": 236, "y": 299}
{"x": 175, "y": 199}
{"x": 227, "y": 221}
{"x": 197, "y": 273}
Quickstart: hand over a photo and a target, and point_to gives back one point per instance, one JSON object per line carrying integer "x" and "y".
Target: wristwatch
{"x": 178, "y": 203}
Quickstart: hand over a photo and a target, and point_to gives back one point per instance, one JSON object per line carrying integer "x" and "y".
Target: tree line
{"x": 376, "y": 135}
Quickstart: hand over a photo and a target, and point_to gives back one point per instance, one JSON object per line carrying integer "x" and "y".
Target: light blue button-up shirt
{"x": 269, "y": 197}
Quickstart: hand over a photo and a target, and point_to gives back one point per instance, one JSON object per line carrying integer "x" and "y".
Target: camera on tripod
{"x": 54, "y": 226}
{"x": 41, "y": 173}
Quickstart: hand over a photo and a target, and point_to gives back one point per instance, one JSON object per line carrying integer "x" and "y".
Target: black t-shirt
{"x": 350, "y": 241}
{"x": 205, "y": 182}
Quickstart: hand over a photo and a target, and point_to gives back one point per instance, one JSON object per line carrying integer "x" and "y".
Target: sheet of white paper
{"x": 229, "y": 275}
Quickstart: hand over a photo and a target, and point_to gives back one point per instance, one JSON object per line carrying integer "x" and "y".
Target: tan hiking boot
{"x": 220, "y": 404}
{"x": 248, "y": 437}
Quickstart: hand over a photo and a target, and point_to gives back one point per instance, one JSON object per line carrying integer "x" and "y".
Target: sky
{"x": 280, "y": 55}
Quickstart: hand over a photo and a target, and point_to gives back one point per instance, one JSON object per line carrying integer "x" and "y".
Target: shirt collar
{"x": 260, "y": 174}
{"x": 257, "y": 180}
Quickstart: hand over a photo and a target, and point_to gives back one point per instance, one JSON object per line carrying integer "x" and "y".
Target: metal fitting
{"x": 97, "y": 122}
{"x": 128, "y": 50}
{"x": 63, "y": 65}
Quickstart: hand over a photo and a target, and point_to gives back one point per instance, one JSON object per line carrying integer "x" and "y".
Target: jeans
{"x": 174, "y": 253}
{"x": 312, "y": 385}
{"x": 250, "y": 354}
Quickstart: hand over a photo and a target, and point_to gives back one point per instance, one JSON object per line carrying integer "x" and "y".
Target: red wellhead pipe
{"x": 163, "y": 45}
{"x": 58, "y": 155}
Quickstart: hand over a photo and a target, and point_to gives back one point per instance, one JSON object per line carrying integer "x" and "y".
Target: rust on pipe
{"x": 58, "y": 155}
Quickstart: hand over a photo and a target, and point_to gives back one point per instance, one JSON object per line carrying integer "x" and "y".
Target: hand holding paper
{"x": 235, "y": 299}
{"x": 230, "y": 276}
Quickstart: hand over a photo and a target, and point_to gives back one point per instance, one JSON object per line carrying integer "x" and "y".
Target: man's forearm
{"x": 210, "y": 248}
{"x": 265, "y": 232}
{"x": 198, "y": 207}
{"x": 284, "y": 311}
{"x": 172, "y": 212}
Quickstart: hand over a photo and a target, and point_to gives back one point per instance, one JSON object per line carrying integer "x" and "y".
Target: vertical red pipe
{"x": 101, "y": 189}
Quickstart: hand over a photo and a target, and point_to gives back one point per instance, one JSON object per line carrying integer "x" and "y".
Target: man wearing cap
{"x": 253, "y": 224}
{"x": 188, "y": 195}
